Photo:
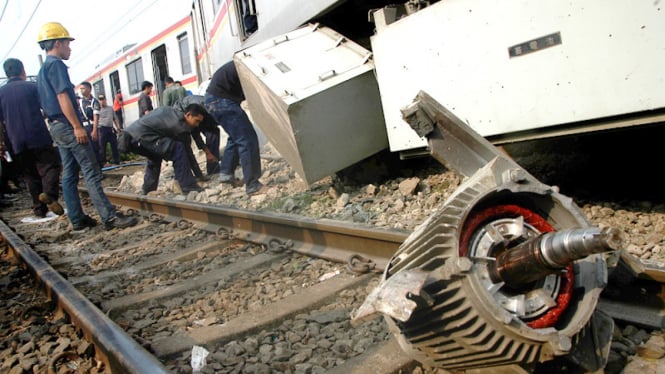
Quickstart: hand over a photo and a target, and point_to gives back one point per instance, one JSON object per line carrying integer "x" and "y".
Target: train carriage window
{"x": 98, "y": 86}
{"x": 135, "y": 76}
{"x": 185, "y": 60}
{"x": 247, "y": 17}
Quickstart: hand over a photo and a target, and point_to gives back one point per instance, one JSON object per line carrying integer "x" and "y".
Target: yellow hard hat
{"x": 53, "y": 30}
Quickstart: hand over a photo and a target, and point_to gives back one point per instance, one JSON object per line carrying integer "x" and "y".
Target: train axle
{"x": 550, "y": 252}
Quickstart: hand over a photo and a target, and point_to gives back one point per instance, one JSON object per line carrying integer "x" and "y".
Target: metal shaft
{"x": 547, "y": 253}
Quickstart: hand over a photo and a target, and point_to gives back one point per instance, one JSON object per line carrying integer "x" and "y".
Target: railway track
{"x": 261, "y": 292}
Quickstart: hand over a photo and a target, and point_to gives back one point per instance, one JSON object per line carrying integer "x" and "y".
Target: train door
{"x": 114, "y": 78}
{"x": 160, "y": 70}
{"x": 200, "y": 27}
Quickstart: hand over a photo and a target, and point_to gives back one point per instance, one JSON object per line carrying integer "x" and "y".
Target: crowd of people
{"x": 49, "y": 134}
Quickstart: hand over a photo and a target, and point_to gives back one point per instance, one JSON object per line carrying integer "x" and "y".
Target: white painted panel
{"x": 610, "y": 61}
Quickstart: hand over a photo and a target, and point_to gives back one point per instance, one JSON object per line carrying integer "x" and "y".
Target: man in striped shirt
{"x": 107, "y": 128}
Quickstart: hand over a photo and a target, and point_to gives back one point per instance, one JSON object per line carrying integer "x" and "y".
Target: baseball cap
{"x": 101, "y": 97}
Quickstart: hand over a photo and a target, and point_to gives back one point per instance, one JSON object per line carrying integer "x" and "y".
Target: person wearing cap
{"x": 107, "y": 128}
{"x": 58, "y": 101}
{"x": 29, "y": 139}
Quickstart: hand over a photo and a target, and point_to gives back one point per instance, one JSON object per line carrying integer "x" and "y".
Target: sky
{"x": 99, "y": 27}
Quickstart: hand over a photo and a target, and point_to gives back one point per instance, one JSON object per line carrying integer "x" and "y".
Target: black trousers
{"x": 181, "y": 165}
{"x": 119, "y": 117}
{"x": 41, "y": 173}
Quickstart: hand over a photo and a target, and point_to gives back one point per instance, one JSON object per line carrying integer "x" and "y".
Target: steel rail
{"x": 331, "y": 240}
{"x": 114, "y": 347}
{"x": 327, "y": 239}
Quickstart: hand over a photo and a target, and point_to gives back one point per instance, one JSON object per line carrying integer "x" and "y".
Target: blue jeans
{"x": 41, "y": 173}
{"x": 243, "y": 144}
{"x": 107, "y": 136}
{"x": 81, "y": 157}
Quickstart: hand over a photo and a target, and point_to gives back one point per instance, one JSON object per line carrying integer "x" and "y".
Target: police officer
{"x": 56, "y": 93}
{"x": 90, "y": 107}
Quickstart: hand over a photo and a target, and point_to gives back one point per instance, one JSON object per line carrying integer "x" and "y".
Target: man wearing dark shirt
{"x": 222, "y": 100}
{"x": 145, "y": 102}
{"x": 209, "y": 128}
{"x": 29, "y": 139}
{"x": 162, "y": 135}
{"x": 56, "y": 94}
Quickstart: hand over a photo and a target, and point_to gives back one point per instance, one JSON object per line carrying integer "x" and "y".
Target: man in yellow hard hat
{"x": 56, "y": 93}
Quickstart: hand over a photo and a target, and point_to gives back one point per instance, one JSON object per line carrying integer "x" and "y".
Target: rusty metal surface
{"x": 330, "y": 240}
{"x": 363, "y": 249}
{"x": 122, "y": 353}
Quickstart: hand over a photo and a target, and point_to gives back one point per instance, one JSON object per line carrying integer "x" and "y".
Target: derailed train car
{"x": 509, "y": 272}
{"x": 512, "y": 70}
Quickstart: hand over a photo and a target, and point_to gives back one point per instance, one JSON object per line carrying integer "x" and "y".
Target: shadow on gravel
{"x": 384, "y": 166}
{"x": 619, "y": 166}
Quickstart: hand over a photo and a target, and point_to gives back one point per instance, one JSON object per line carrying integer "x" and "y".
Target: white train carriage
{"x": 169, "y": 52}
{"x": 513, "y": 70}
